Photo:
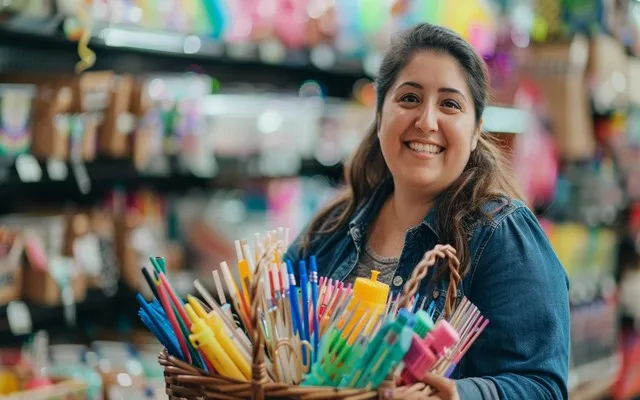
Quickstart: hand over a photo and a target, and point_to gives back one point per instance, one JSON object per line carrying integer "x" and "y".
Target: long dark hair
{"x": 486, "y": 176}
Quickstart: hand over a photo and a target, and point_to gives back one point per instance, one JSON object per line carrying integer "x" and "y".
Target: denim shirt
{"x": 514, "y": 278}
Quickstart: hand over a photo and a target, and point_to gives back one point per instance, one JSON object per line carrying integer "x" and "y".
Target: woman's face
{"x": 427, "y": 126}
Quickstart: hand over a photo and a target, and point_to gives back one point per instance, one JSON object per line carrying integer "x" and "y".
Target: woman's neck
{"x": 409, "y": 208}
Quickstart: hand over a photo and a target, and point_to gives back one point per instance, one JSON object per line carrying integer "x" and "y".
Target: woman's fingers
{"x": 445, "y": 388}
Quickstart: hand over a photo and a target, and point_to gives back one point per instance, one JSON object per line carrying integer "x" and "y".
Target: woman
{"x": 426, "y": 174}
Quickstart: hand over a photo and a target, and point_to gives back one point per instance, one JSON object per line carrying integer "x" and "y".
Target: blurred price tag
{"x": 28, "y": 168}
{"x": 57, "y": 170}
{"x": 19, "y": 318}
{"x": 242, "y": 51}
{"x": 82, "y": 177}
{"x": 158, "y": 166}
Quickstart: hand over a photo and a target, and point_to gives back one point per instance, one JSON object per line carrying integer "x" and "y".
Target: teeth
{"x": 425, "y": 148}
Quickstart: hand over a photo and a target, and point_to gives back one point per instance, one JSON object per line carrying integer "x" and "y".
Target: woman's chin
{"x": 418, "y": 181}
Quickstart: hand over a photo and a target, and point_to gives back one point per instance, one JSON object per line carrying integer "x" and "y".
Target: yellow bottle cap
{"x": 370, "y": 290}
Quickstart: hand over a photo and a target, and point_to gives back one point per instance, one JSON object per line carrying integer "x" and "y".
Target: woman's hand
{"x": 443, "y": 388}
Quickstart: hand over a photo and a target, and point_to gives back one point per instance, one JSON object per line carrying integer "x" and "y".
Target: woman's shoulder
{"x": 513, "y": 240}
{"x": 505, "y": 220}
{"x": 495, "y": 210}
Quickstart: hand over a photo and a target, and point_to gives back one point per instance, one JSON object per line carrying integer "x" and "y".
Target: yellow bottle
{"x": 203, "y": 338}
{"x": 215, "y": 322}
{"x": 369, "y": 296}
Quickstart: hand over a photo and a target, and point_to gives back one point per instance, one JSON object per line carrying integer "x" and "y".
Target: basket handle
{"x": 258, "y": 369}
{"x": 420, "y": 272}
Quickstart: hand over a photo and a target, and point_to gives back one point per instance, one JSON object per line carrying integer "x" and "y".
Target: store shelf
{"x": 25, "y": 179}
{"x": 39, "y": 45}
{"x": 97, "y": 307}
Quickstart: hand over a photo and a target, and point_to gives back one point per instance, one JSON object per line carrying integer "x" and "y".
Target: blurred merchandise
{"x": 102, "y": 370}
{"x": 198, "y": 122}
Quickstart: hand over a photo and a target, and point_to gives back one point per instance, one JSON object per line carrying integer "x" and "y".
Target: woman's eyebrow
{"x": 441, "y": 90}
{"x": 451, "y": 90}
{"x": 410, "y": 83}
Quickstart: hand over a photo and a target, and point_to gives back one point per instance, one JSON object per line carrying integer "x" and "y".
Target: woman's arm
{"x": 520, "y": 286}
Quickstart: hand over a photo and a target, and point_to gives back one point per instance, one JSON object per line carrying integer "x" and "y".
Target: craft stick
{"x": 257, "y": 247}
{"x": 248, "y": 255}
{"x": 219, "y": 289}
{"x": 212, "y": 303}
{"x": 238, "y": 247}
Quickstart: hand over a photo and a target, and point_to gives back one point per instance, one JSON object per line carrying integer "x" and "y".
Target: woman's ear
{"x": 476, "y": 135}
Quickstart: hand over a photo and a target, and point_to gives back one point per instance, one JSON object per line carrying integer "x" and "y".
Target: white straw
{"x": 218, "y": 282}
{"x": 238, "y": 250}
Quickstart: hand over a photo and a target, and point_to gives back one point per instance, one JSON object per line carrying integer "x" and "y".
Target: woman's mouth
{"x": 424, "y": 148}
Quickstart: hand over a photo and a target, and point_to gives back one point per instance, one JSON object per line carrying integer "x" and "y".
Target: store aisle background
{"x": 178, "y": 126}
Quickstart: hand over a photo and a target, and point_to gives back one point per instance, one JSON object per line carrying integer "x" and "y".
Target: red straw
{"x": 164, "y": 300}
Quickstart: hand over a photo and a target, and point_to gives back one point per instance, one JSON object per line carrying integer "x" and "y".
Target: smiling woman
{"x": 426, "y": 174}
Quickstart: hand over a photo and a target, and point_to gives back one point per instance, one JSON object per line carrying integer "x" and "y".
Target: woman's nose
{"x": 427, "y": 120}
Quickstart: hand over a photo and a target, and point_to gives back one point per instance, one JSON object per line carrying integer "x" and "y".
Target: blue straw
{"x": 295, "y": 308}
{"x": 156, "y": 321}
{"x": 314, "y": 297}
{"x": 304, "y": 288}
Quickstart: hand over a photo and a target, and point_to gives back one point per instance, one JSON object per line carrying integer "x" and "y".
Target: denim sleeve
{"x": 521, "y": 287}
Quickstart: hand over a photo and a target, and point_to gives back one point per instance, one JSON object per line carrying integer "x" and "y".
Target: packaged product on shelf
{"x": 139, "y": 231}
{"x": 139, "y": 146}
{"x": 11, "y": 248}
{"x": 92, "y": 96}
{"x": 126, "y": 226}
{"x": 51, "y": 278}
{"x": 607, "y": 72}
{"x": 118, "y": 123}
{"x": 86, "y": 247}
{"x": 16, "y": 118}
{"x": 53, "y": 107}
{"x": 68, "y": 111}
{"x": 102, "y": 226}
{"x": 558, "y": 69}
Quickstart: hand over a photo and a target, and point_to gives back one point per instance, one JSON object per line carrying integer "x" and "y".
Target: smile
{"x": 424, "y": 148}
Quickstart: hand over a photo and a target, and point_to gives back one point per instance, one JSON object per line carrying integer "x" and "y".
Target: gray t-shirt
{"x": 368, "y": 261}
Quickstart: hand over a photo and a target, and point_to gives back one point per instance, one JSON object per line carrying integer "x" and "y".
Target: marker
{"x": 314, "y": 299}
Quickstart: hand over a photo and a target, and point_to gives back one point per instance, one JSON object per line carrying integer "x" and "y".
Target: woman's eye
{"x": 410, "y": 98}
{"x": 451, "y": 104}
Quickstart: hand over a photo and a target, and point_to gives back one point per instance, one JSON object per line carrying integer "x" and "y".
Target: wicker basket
{"x": 184, "y": 381}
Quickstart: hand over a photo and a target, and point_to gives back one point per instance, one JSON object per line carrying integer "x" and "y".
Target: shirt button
{"x": 397, "y": 281}
{"x": 435, "y": 294}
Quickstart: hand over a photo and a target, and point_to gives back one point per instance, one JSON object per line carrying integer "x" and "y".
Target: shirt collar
{"x": 364, "y": 216}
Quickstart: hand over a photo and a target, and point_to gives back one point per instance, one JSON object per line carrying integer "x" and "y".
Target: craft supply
{"x": 181, "y": 316}
{"x": 332, "y": 354}
{"x": 249, "y": 257}
{"x": 204, "y": 339}
{"x": 304, "y": 290}
{"x": 424, "y": 353}
{"x": 157, "y": 324}
{"x": 176, "y": 301}
{"x": 293, "y": 298}
{"x": 388, "y": 343}
{"x": 371, "y": 294}
{"x": 174, "y": 322}
{"x": 318, "y": 333}
{"x": 150, "y": 281}
{"x": 314, "y": 299}
{"x": 245, "y": 272}
{"x": 219, "y": 289}
{"x": 217, "y": 326}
